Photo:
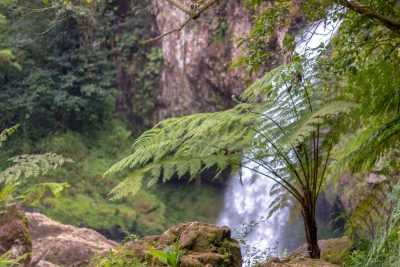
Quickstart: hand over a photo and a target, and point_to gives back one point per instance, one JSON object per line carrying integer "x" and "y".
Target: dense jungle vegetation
{"x": 78, "y": 146}
{"x": 60, "y": 83}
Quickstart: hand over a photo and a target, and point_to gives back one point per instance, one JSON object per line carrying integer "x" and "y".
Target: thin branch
{"x": 193, "y": 15}
{"x": 180, "y": 28}
{"x": 288, "y": 164}
{"x": 269, "y": 168}
{"x": 322, "y": 177}
{"x": 285, "y": 134}
{"x": 180, "y": 6}
{"x": 282, "y": 183}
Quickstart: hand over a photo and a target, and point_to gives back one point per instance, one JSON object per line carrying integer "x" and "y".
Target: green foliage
{"x": 119, "y": 258}
{"x": 13, "y": 180}
{"x": 86, "y": 198}
{"x": 370, "y": 213}
{"x": 185, "y": 146}
{"x": 383, "y": 251}
{"x": 6, "y": 261}
{"x": 25, "y": 166}
{"x": 371, "y": 79}
{"x": 260, "y": 46}
{"x": 275, "y": 121}
{"x": 169, "y": 256}
{"x": 62, "y": 61}
{"x": 5, "y": 134}
{"x": 7, "y": 59}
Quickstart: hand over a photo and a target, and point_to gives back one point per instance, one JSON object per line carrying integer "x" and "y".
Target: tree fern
{"x": 277, "y": 131}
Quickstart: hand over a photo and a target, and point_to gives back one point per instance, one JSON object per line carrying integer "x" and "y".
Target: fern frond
{"x": 27, "y": 166}
{"x": 38, "y": 192}
{"x": 307, "y": 125}
{"x": 194, "y": 141}
{"x": 130, "y": 186}
{"x": 364, "y": 148}
{"x": 5, "y": 134}
{"x": 168, "y": 168}
{"x": 264, "y": 88}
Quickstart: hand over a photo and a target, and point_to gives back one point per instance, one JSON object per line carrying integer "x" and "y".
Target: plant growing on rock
{"x": 169, "y": 256}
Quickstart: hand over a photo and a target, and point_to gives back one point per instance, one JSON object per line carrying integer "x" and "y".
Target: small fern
{"x": 13, "y": 178}
{"x": 25, "y": 166}
{"x": 169, "y": 256}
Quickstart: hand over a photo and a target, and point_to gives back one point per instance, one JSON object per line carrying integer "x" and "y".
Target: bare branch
{"x": 180, "y": 6}
{"x": 193, "y": 15}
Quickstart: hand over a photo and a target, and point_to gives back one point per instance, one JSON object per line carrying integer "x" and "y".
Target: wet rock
{"x": 65, "y": 245}
{"x": 203, "y": 245}
{"x": 14, "y": 235}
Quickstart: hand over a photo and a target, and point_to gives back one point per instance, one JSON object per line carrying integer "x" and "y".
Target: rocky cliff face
{"x": 197, "y": 74}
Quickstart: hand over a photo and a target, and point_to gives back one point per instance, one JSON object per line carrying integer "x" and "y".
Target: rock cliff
{"x": 197, "y": 74}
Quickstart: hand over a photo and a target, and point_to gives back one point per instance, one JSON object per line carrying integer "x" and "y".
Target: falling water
{"x": 247, "y": 197}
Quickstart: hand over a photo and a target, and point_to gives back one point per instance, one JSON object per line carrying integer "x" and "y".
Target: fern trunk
{"x": 311, "y": 233}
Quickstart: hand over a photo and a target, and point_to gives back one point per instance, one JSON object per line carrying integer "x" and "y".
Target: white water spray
{"x": 247, "y": 198}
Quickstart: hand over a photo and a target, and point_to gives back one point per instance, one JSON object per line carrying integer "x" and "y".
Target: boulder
{"x": 14, "y": 235}
{"x": 333, "y": 252}
{"x": 202, "y": 245}
{"x": 298, "y": 262}
{"x": 65, "y": 245}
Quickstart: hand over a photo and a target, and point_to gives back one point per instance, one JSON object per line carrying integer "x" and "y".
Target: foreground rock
{"x": 202, "y": 245}
{"x": 14, "y": 235}
{"x": 65, "y": 245}
{"x": 49, "y": 244}
{"x": 298, "y": 262}
{"x": 333, "y": 252}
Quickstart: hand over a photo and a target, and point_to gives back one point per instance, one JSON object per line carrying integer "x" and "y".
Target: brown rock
{"x": 14, "y": 235}
{"x": 332, "y": 252}
{"x": 299, "y": 262}
{"x": 65, "y": 245}
{"x": 203, "y": 245}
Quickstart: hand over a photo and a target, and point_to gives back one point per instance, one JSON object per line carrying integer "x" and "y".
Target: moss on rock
{"x": 201, "y": 245}
{"x": 14, "y": 235}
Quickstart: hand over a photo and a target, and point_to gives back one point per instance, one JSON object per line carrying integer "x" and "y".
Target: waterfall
{"x": 247, "y": 197}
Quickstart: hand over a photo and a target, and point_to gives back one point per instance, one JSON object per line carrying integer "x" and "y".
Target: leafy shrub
{"x": 383, "y": 251}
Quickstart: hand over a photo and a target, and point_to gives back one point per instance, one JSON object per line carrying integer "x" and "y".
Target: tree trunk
{"x": 311, "y": 232}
